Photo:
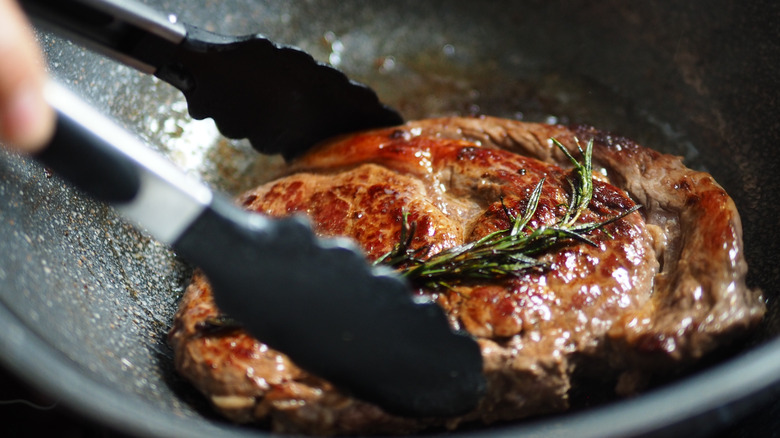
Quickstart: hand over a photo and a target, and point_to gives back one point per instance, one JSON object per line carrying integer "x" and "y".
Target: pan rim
{"x": 744, "y": 382}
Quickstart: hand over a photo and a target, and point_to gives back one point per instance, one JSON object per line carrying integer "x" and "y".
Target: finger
{"x": 26, "y": 121}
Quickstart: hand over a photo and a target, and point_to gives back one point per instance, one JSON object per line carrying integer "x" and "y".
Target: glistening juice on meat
{"x": 654, "y": 290}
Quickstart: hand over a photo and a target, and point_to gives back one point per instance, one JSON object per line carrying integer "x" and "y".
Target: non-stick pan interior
{"x": 86, "y": 300}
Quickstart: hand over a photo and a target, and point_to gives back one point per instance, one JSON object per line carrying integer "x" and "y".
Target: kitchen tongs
{"x": 316, "y": 300}
{"x": 276, "y": 96}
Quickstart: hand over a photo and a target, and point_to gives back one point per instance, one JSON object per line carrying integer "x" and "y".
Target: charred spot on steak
{"x": 654, "y": 290}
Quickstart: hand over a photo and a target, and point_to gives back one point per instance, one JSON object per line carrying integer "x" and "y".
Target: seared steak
{"x": 660, "y": 288}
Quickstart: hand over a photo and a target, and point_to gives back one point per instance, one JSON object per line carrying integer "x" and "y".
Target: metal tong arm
{"x": 129, "y": 32}
{"x": 316, "y": 300}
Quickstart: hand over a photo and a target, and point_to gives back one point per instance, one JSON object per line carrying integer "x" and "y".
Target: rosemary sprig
{"x": 503, "y": 253}
{"x": 582, "y": 185}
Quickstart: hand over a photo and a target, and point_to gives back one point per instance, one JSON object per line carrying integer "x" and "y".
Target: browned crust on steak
{"x": 662, "y": 288}
{"x": 699, "y": 297}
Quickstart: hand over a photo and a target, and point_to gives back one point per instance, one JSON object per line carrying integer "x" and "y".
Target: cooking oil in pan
{"x": 443, "y": 82}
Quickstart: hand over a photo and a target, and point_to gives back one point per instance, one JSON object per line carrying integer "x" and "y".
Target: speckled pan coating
{"x": 697, "y": 79}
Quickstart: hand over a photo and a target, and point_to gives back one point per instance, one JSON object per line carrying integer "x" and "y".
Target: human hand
{"x": 26, "y": 120}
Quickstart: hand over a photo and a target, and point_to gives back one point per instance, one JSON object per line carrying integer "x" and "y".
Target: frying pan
{"x": 86, "y": 301}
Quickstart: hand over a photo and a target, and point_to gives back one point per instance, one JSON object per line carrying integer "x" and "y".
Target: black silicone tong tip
{"x": 278, "y": 97}
{"x": 339, "y": 318}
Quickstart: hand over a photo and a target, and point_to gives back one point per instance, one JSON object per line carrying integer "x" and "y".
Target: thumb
{"x": 26, "y": 120}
